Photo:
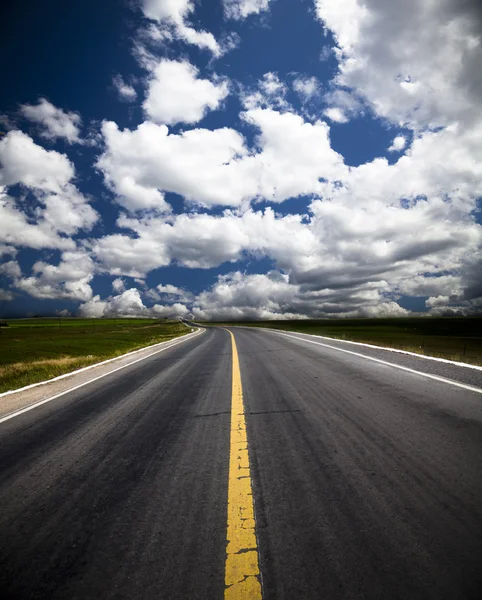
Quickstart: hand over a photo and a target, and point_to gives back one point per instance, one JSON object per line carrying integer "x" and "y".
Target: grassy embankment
{"x": 33, "y": 350}
{"x": 457, "y": 338}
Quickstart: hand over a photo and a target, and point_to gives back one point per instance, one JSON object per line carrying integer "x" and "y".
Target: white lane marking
{"x": 397, "y": 350}
{"x": 76, "y": 387}
{"x": 104, "y": 362}
{"x": 384, "y": 362}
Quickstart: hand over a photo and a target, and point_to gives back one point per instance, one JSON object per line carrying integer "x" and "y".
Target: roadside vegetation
{"x": 33, "y": 350}
{"x": 453, "y": 338}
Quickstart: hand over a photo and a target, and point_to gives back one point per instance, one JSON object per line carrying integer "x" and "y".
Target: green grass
{"x": 33, "y": 350}
{"x": 454, "y": 338}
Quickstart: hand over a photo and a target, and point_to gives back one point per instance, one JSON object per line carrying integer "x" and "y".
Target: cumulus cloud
{"x": 25, "y": 162}
{"x": 10, "y": 269}
{"x": 59, "y": 208}
{"x": 169, "y": 289}
{"x": 326, "y": 53}
{"x": 343, "y": 105}
{"x": 172, "y": 292}
{"x": 379, "y": 230}
{"x": 67, "y": 212}
{"x": 177, "y": 95}
{"x": 240, "y": 9}
{"x": 372, "y": 233}
{"x": 70, "y": 279}
{"x": 6, "y": 250}
{"x": 421, "y": 285}
{"x": 398, "y": 144}
{"x": 126, "y": 92}
{"x": 269, "y": 92}
{"x": 54, "y": 122}
{"x": 272, "y": 296}
{"x": 170, "y": 311}
{"x": 93, "y": 308}
{"x": 335, "y": 114}
{"x": 415, "y": 63}
{"x": 342, "y": 244}
{"x": 171, "y": 18}
{"x": 307, "y": 88}
{"x": 118, "y": 285}
{"x": 215, "y": 167}
{"x": 16, "y": 228}
{"x": 129, "y": 303}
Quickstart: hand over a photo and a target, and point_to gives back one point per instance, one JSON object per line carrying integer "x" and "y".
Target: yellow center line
{"x": 242, "y": 577}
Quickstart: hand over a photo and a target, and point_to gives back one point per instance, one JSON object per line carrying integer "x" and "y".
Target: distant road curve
{"x": 365, "y": 477}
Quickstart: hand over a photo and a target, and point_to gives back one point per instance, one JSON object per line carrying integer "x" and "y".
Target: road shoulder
{"x": 26, "y": 398}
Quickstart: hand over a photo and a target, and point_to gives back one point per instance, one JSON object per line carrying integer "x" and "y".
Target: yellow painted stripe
{"x": 242, "y": 576}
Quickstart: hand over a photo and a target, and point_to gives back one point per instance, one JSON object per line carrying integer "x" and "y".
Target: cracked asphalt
{"x": 366, "y": 479}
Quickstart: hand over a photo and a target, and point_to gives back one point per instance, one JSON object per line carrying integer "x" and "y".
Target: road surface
{"x": 366, "y": 479}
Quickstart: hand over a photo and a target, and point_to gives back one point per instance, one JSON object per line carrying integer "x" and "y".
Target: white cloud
{"x": 398, "y": 144}
{"x": 272, "y": 296}
{"x": 347, "y": 248}
{"x": 443, "y": 164}
{"x": 343, "y": 105}
{"x": 240, "y": 9}
{"x": 239, "y": 296}
{"x": 177, "y": 95}
{"x": 118, "y": 285}
{"x": 129, "y": 304}
{"x": 336, "y": 115}
{"x": 65, "y": 213}
{"x": 6, "y": 295}
{"x": 421, "y": 285}
{"x": 172, "y": 16}
{"x": 93, "y": 308}
{"x": 120, "y": 254}
{"x": 215, "y": 167}
{"x": 169, "y": 289}
{"x": 125, "y": 91}
{"x": 270, "y": 92}
{"x": 10, "y": 269}
{"x": 61, "y": 207}
{"x": 174, "y": 292}
{"x": 261, "y": 296}
{"x": 438, "y": 301}
{"x": 307, "y": 88}
{"x": 70, "y": 279}
{"x": 6, "y": 250}
{"x": 172, "y": 311}
{"x": 17, "y": 229}
{"x": 415, "y": 63}
{"x": 326, "y": 53}
{"x": 54, "y": 121}
{"x": 372, "y": 232}
{"x": 159, "y": 241}
{"x": 25, "y": 162}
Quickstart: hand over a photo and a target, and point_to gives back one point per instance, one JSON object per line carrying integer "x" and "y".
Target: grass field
{"x": 454, "y": 338}
{"x": 33, "y": 350}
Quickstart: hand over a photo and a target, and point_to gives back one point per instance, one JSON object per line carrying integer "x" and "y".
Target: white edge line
{"x": 104, "y": 362}
{"x": 397, "y": 350}
{"x": 384, "y": 362}
{"x": 76, "y": 387}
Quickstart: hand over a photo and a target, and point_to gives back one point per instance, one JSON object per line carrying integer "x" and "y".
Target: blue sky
{"x": 240, "y": 158}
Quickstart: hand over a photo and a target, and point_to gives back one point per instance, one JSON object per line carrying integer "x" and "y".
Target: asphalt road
{"x": 367, "y": 480}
